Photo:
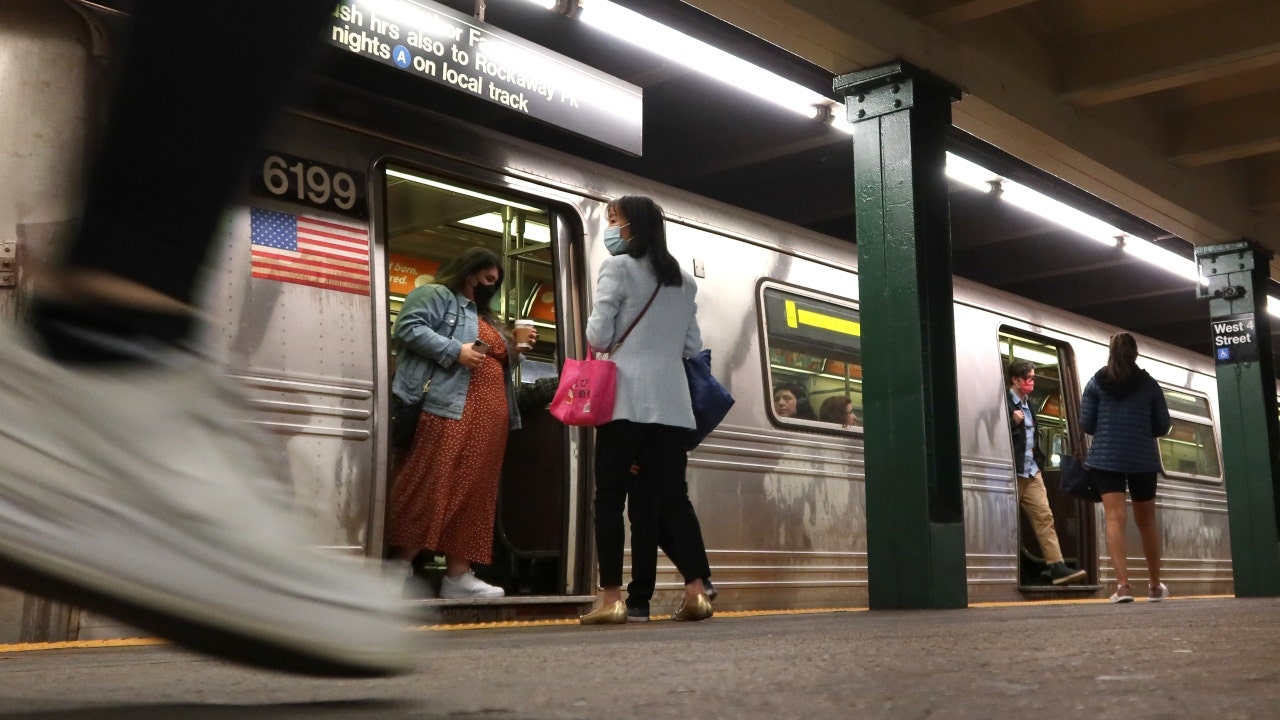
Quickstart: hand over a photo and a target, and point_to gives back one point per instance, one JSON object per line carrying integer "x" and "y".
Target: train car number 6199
{"x": 308, "y": 182}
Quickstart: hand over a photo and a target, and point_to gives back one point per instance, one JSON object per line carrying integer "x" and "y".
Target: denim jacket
{"x": 433, "y": 325}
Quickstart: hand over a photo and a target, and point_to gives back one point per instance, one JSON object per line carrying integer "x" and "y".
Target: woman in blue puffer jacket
{"x": 1125, "y": 411}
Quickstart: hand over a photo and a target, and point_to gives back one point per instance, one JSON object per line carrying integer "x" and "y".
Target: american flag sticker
{"x": 328, "y": 254}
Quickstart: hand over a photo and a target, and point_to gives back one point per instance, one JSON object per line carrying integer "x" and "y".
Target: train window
{"x": 814, "y": 350}
{"x": 431, "y": 220}
{"x": 1190, "y": 448}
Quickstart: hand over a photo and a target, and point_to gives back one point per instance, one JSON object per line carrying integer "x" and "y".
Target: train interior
{"x": 429, "y": 221}
{"x": 1055, "y": 403}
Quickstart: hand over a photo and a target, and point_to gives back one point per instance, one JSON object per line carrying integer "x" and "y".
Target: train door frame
{"x": 565, "y": 224}
{"x": 1077, "y": 531}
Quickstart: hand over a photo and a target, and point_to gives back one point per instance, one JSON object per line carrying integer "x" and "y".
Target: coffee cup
{"x": 524, "y": 334}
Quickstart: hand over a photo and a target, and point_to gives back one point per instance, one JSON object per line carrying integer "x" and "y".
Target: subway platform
{"x": 1185, "y": 658}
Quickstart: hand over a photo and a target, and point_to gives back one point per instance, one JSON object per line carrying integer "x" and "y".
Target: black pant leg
{"x": 196, "y": 89}
{"x": 663, "y": 451}
{"x": 615, "y": 452}
{"x": 642, "y": 511}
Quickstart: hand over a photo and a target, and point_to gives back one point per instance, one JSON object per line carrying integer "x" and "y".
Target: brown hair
{"x": 834, "y": 409}
{"x": 1122, "y": 360}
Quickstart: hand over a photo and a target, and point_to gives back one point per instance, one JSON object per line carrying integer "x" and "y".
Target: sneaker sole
{"x": 1073, "y": 577}
{"x": 631, "y": 619}
{"x": 187, "y": 632}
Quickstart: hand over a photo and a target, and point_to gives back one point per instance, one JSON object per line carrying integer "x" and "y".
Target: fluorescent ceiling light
{"x": 492, "y": 222}
{"x": 1022, "y": 352}
{"x": 461, "y": 191}
{"x": 984, "y": 180}
{"x": 1058, "y": 212}
{"x": 636, "y": 29}
{"x": 1158, "y": 256}
{"x": 1273, "y": 306}
{"x": 970, "y": 173}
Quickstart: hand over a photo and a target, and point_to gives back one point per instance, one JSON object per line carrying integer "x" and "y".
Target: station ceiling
{"x": 1160, "y": 116}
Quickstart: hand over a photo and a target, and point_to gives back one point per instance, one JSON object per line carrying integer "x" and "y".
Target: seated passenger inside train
{"x": 838, "y": 409}
{"x": 791, "y": 401}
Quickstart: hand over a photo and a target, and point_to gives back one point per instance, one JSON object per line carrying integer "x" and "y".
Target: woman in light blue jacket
{"x": 651, "y": 415}
{"x": 458, "y": 360}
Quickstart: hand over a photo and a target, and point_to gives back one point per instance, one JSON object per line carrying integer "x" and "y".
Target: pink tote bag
{"x": 586, "y": 391}
{"x": 587, "y": 387}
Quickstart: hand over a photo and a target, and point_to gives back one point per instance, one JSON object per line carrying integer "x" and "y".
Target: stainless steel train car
{"x": 780, "y": 496}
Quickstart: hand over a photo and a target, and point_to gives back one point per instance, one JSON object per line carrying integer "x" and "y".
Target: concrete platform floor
{"x": 1187, "y": 658}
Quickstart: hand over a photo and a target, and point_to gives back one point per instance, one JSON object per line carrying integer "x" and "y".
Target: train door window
{"x": 430, "y": 221}
{"x": 1190, "y": 449}
{"x": 813, "y": 345}
{"x": 1046, "y": 398}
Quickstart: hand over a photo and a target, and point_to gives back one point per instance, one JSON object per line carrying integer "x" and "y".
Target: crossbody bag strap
{"x": 630, "y": 327}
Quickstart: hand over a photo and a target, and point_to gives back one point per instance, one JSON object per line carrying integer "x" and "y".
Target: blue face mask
{"x": 613, "y": 240}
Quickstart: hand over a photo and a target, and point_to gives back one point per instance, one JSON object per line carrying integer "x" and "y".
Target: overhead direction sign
{"x": 441, "y": 45}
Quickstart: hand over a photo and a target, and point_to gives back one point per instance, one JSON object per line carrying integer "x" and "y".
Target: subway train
{"x": 780, "y": 495}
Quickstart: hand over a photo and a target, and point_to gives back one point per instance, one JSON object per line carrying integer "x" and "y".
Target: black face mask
{"x": 484, "y": 295}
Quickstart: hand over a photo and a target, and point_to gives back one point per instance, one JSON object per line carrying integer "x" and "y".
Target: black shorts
{"x": 1141, "y": 486}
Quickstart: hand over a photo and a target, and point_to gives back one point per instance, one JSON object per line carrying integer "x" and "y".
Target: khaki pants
{"x": 1035, "y": 503}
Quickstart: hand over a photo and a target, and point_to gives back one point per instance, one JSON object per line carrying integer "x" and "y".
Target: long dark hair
{"x": 649, "y": 236}
{"x": 1122, "y": 360}
{"x": 454, "y": 274}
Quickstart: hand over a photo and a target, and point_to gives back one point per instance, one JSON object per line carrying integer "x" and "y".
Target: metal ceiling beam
{"x": 1207, "y": 42}
{"x": 1061, "y": 271}
{"x": 765, "y": 154}
{"x": 975, "y": 238}
{"x": 1265, "y": 189}
{"x": 954, "y": 12}
{"x": 1117, "y": 294}
{"x": 1154, "y": 315}
{"x": 1226, "y": 130}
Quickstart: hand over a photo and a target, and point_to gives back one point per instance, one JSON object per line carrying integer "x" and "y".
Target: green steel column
{"x": 915, "y": 518}
{"x": 1237, "y": 275}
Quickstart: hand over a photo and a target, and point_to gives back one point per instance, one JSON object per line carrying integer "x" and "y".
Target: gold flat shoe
{"x": 613, "y": 614}
{"x": 697, "y": 609}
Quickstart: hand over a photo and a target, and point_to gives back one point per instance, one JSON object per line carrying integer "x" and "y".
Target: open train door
{"x": 430, "y": 219}
{"x": 1056, "y": 403}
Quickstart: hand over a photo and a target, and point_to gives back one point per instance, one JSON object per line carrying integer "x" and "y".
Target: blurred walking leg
{"x": 187, "y": 109}
{"x": 128, "y": 485}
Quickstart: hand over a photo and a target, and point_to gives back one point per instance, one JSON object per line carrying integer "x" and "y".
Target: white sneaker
{"x": 467, "y": 585}
{"x": 1159, "y": 593}
{"x": 131, "y": 490}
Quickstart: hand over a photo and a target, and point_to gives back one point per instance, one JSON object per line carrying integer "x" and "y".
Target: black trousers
{"x": 658, "y": 496}
{"x": 194, "y": 92}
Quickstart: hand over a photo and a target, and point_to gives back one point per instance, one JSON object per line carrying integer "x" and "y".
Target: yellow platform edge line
{"x": 660, "y": 618}
{"x": 81, "y": 644}
{"x": 140, "y": 642}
